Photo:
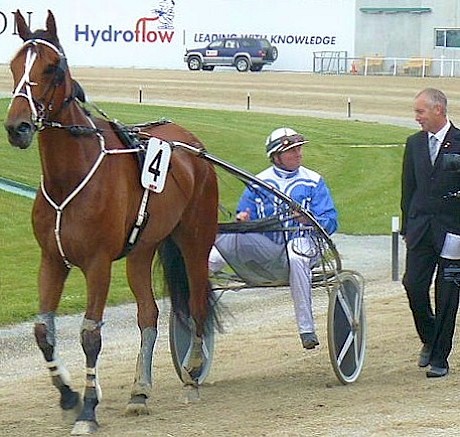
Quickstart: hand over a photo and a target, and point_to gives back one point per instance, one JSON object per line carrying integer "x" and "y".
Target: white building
{"x": 410, "y": 29}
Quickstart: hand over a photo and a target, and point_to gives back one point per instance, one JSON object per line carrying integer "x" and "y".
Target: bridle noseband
{"x": 38, "y": 107}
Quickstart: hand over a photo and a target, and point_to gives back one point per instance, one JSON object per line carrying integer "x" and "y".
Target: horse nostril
{"x": 20, "y": 135}
{"x": 24, "y": 128}
{"x": 21, "y": 129}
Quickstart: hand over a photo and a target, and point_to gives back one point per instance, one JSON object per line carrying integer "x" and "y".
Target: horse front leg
{"x": 52, "y": 276}
{"x": 97, "y": 280}
{"x": 45, "y": 335}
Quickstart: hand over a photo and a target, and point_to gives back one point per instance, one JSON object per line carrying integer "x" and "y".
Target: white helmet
{"x": 282, "y": 139}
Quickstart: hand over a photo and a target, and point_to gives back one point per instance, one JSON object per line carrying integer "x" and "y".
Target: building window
{"x": 447, "y": 38}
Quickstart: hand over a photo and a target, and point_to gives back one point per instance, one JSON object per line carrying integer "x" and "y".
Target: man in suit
{"x": 430, "y": 205}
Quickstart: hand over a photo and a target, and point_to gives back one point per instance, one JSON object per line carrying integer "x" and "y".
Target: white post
{"x": 395, "y": 248}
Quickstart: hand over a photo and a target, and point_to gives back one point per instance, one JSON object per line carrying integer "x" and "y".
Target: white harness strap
{"x": 140, "y": 218}
{"x": 60, "y": 208}
{"x": 23, "y": 89}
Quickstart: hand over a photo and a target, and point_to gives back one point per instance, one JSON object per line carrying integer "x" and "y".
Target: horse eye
{"x": 50, "y": 69}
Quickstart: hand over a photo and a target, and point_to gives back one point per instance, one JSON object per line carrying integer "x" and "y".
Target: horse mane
{"x": 78, "y": 92}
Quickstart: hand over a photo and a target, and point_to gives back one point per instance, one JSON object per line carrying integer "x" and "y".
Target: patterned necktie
{"x": 433, "y": 145}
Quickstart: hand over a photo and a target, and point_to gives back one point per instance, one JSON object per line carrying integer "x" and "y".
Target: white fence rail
{"x": 386, "y": 66}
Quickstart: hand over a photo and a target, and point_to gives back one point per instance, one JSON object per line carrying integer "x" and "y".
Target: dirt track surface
{"x": 262, "y": 383}
{"x": 386, "y": 99}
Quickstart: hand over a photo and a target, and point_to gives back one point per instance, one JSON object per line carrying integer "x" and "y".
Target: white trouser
{"x": 253, "y": 248}
{"x": 302, "y": 257}
{"x": 216, "y": 261}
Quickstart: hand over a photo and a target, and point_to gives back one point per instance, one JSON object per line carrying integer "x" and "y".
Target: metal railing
{"x": 387, "y": 66}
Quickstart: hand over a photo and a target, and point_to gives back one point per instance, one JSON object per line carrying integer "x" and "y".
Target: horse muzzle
{"x": 20, "y": 135}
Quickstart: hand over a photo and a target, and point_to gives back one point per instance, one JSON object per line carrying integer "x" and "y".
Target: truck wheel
{"x": 194, "y": 63}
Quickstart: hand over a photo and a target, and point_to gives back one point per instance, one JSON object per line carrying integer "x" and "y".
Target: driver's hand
{"x": 302, "y": 218}
{"x": 243, "y": 216}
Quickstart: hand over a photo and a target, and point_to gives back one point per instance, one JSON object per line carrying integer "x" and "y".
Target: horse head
{"x": 42, "y": 82}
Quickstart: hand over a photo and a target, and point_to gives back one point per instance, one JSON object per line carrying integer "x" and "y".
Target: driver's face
{"x": 290, "y": 159}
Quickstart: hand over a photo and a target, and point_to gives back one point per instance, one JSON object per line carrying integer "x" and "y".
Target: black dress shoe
{"x": 425, "y": 355}
{"x": 437, "y": 372}
{"x": 309, "y": 340}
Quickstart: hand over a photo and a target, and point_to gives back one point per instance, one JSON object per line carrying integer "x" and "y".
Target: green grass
{"x": 365, "y": 183}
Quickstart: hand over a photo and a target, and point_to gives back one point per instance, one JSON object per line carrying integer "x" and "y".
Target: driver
{"x": 295, "y": 252}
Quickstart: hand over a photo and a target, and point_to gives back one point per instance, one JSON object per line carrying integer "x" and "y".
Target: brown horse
{"x": 92, "y": 207}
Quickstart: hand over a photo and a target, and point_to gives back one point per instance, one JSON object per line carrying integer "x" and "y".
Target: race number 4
{"x": 156, "y": 165}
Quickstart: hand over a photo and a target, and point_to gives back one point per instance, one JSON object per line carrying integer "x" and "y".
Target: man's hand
{"x": 302, "y": 218}
{"x": 243, "y": 216}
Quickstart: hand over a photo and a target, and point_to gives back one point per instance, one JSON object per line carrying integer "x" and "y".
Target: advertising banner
{"x": 155, "y": 33}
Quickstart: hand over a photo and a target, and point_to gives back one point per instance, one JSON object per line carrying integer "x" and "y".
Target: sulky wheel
{"x": 346, "y": 330}
{"x": 180, "y": 340}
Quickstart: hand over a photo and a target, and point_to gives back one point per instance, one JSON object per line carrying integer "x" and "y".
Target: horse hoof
{"x": 137, "y": 406}
{"x": 190, "y": 394}
{"x": 70, "y": 415}
{"x": 190, "y": 376}
{"x": 84, "y": 427}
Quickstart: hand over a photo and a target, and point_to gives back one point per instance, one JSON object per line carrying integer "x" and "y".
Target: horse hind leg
{"x": 194, "y": 358}
{"x": 190, "y": 295}
{"x": 203, "y": 318}
{"x": 192, "y": 365}
{"x": 45, "y": 335}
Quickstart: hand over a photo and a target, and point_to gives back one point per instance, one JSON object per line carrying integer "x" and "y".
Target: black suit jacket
{"x": 427, "y": 191}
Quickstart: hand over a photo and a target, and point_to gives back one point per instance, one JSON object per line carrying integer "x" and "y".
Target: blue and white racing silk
{"x": 303, "y": 185}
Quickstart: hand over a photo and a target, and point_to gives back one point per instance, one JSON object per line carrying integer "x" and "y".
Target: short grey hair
{"x": 435, "y": 97}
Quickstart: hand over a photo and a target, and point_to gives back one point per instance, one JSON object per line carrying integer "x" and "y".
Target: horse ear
{"x": 51, "y": 25}
{"x": 23, "y": 28}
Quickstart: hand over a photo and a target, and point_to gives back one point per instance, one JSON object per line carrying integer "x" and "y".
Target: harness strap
{"x": 23, "y": 87}
{"x": 24, "y": 90}
{"x": 60, "y": 208}
{"x": 138, "y": 227}
{"x": 140, "y": 218}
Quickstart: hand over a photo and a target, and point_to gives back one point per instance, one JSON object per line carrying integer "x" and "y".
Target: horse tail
{"x": 177, "y": 285}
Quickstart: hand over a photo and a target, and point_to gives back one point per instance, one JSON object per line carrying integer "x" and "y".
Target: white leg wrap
{"x": 58, "y": 372}
{"x": 143, "y": 379}
{"x": 47, "y": 319}
{"x": 92, "y": 381}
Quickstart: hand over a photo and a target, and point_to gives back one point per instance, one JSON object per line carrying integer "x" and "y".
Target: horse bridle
{"x": 38, "y": 109}
{"x": 23, "y": 89}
